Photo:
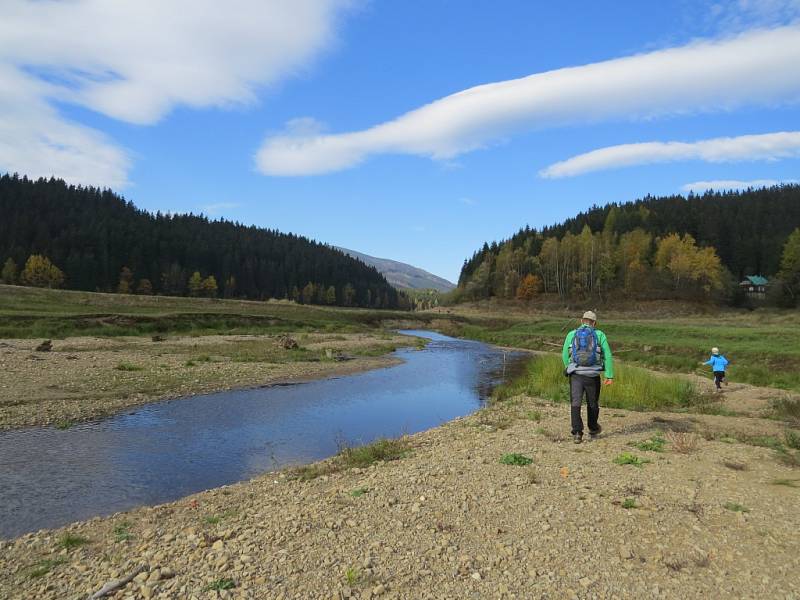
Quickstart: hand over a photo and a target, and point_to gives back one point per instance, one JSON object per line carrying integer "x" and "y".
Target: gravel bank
{"x": 85, "y": 378}
{"x": 450, "y": 521}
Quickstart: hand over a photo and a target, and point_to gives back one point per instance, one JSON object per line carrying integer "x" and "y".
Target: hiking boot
{"x": 577, "y": 438}
{"x": 593, "y": 435}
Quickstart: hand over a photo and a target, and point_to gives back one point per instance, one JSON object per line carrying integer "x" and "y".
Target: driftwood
{"x": 113, "y": 586}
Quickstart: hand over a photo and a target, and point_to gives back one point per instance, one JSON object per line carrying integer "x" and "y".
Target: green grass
{"x": 736, "y": 507}
{"x": 629, "y": 503}
{"x": 125, "y": 366}
{"x": 383, "y": 449}
{"x": 352, "y": 576}
{"x": 626, "y": 458}
{"x": 63, "y": 424}
{"x": 43, "y": 567}
{"x": 761, "y": 345}
{"x": 786, "y": 409}
{"x": 122, "y": 532}
{"x": 220, "y": 584}
{"x": 654, "y": 444}
{"x": 533, "y": 415}
{"x": 41, "y": 313}
{"x": 69, "y": 541}
{"x": 519, "y": 460}
{"x": 792, "y": 439}
{"x": 358, "y": 492}
{"x": 793, "y": 483}
{"x": 634, "y": 388}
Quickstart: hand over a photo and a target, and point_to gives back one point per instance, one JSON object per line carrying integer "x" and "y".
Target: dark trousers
{"x": 719, "y": 377}
{"x": 580, "y": 385}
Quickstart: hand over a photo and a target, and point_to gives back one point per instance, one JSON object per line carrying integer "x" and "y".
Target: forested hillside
{"x": 100, "y": 242}
{"x": 695, "y": 246}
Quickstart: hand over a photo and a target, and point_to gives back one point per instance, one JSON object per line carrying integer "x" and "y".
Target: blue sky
{"x": 189, "y": 113}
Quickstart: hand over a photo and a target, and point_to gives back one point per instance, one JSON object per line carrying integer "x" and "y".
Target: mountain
{"x": 402, "y": 275}
{"x": 98, "y": 239}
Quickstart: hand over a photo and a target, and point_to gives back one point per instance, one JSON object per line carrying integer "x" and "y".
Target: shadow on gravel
{"x": 677, "y": 425}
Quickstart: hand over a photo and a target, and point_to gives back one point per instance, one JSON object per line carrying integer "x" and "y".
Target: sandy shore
{"x": 708, "y": 517}
{"x": 84, "y": 378}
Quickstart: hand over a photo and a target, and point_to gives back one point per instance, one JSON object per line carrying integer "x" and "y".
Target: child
{"x": 718, "y": 364}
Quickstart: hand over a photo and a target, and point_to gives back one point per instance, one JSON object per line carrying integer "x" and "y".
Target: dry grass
{"x": 682, "y": 442}
{"x": 735, "y": 465}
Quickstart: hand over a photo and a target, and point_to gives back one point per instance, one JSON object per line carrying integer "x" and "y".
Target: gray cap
{"x": 590, "y": 315}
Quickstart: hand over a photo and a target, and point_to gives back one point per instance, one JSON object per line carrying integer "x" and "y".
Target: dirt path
{"x": 86, "y": 378}
{"x": 708, "y": 517}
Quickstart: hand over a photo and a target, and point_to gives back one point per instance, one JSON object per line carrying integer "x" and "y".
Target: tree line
{"x": 698, "y": 247}
{"x": 98, "y": 241}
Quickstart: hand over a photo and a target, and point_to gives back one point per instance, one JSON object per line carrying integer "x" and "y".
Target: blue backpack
{"x": 584, "y": 347}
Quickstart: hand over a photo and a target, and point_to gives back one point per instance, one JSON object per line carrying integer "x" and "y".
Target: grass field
{"x": 763, "y": 347}
{"x": 41, "y": 313}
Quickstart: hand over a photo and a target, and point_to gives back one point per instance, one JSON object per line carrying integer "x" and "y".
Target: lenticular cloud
{"x": 754, "y": 68}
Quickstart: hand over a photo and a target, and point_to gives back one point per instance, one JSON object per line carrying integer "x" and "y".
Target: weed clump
{"x": 629, "y": 503}
{"x": 736, "y": 507}
{"x": 519, "y": 460}
{"x": 220, "y": 584}
{"x": 654, "y": 444}
{"x": 126, "y": 366}
{"x": 626, "y": 458}
{"x": 682, "y": 442}
{"x": 69, "y": 541}
{"x": 383, "y": 449}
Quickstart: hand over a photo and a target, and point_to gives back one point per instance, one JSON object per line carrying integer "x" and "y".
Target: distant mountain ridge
{"x": 403, "y": 275}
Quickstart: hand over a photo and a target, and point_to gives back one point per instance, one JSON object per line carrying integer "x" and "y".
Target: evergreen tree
{"x": 9, "y": 272}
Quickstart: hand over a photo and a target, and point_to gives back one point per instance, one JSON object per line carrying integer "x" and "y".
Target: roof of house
{"x": 757, "y": 279}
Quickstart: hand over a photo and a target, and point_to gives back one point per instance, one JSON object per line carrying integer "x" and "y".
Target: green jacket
{"x": 607, "y": 359}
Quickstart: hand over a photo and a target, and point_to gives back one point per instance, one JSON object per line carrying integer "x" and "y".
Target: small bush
{"x": 626, "y": 458}
{"x": 69, "y": 541}
{"x": 792, "y": 439}
{"x": 629, "y": 503}
{"x": 518, "y": 460}
{"x": 654, "y": 444}
{"x": 681, "y": 441}
{"x": 736, "y": 507}
{"x": 122, "y": 531}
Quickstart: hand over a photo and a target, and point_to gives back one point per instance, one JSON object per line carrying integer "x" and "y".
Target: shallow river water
{"x": 166, "y": 450}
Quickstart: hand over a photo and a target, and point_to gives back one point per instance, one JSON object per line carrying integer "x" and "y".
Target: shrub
{"x": 519, "y": 460}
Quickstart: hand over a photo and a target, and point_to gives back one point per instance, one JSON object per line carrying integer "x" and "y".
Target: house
{"x": 755, "y": 286}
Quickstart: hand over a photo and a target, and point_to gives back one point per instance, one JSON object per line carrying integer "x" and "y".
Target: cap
{"x": 590, "y": 315}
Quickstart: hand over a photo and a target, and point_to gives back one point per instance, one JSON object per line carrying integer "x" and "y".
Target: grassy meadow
{"x": 762, "y": 346}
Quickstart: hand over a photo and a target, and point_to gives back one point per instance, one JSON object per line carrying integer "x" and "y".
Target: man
{"x": 586, "y": 355}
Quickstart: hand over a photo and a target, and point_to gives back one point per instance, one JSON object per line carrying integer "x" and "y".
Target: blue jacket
{"x": 717, "y": 362}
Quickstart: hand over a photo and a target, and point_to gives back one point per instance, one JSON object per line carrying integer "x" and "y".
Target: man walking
{"x": 586, "y": 355}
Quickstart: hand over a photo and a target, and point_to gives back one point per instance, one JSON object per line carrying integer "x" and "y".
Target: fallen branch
{"x": 113, "y": 586}
{"x": 552, "y": 344}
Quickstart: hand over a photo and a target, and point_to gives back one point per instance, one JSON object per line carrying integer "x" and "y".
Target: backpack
{"x": 584, "y": 347}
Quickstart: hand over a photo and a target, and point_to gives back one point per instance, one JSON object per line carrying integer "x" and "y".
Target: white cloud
{"x": 219, "y": 207}
{"x": 468, "y": 201}
{"x": 767, "y": 146}
{"x": 135, "y": 60}
{"x": 698, "y": 187}
{"x": 756, "y": 68}
{"x": 735, "y": 15}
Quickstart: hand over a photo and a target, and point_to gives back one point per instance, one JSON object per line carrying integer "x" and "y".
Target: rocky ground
{"x": 715, "y": 514}
{"x": 83, "y": 378}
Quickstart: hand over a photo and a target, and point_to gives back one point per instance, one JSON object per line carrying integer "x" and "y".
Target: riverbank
{"x": 83, "y": 378}
{"x": 713, "y": 514}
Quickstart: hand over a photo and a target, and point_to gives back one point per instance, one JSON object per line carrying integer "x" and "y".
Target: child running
{"x": 718, "y": 364}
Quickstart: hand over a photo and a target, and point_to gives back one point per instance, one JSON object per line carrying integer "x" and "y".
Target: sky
{"x": 414, "y": 130}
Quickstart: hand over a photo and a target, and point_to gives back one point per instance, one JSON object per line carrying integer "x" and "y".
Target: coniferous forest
{"x": 695, "y": 247}
{"x": 95, "y": 240}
